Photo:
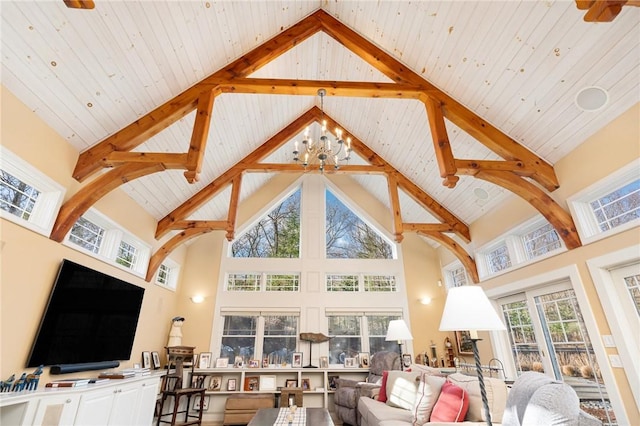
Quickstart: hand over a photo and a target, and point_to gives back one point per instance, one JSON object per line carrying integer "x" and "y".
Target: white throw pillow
{"x": 428, "y": 391}
{"x": 401, "y": 389}
{"x": 496, "y": 396}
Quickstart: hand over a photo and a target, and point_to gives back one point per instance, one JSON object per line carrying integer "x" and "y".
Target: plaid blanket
{"x": 285, "y": 418}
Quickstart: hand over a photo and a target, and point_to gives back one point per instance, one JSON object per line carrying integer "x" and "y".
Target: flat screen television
{"x": 90, "y": 317}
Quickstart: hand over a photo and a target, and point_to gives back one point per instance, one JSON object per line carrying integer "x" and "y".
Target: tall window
{"x": 358, "y": 332}
{"x": 277, "y": 235}
{"x": 239, "y": 337}
{"x": 280, "y": 334}
{"x": 348, "y": 237}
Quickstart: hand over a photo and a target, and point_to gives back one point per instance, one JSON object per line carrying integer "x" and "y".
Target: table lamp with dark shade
{"x": 468, "y": 308}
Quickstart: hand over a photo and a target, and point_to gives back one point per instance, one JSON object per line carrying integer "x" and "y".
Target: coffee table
{"x": 315, "y": 417}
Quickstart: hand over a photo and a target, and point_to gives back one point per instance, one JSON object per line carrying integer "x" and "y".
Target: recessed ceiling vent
{"x": 592, "y": 98}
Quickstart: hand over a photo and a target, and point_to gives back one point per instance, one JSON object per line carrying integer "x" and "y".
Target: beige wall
{"x": 29, "y": 261}
{"x": 605, "y": 152}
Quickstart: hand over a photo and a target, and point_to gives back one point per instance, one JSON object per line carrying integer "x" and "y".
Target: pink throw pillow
{"x": 382, "y": 396}
{"x": 452, "y": 404}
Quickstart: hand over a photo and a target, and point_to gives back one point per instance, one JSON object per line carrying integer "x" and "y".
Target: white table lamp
{"x": 398, "y": 331}
{"x": 469, "y": 308}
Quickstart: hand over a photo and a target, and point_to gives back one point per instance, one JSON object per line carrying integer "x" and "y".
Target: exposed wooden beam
{"x": 168, "y": 160}
{"x": 80, "y": 4}
{"x": 396, "y": 213}
{"x": 202, "y": 224}
{"x": 161, "y": 254}
{"x": 80, "y": 202}
{"x": 464, "y": 258}
{"x": 472, "y": 167}
{"x": 233, "y": 207}
{"x": 427, "y": 227}
{"x": 199, "y": 137}
{"x": 602, "y": 10}
{"x": 441, "y": 145}
{"x": 557, "y": 217}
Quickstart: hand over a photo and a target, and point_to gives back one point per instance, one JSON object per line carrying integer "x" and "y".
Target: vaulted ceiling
{"x": 452, "y": 106}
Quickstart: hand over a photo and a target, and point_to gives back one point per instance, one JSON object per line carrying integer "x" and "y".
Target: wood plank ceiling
{"x": 516, "y": 65}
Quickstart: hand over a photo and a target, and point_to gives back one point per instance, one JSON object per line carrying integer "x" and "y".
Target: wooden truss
{"x": 517, "y": 172}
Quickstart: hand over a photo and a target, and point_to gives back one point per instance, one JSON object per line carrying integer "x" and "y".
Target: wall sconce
{"x": 425, "y": 300}
{"x": 197, "y": 298}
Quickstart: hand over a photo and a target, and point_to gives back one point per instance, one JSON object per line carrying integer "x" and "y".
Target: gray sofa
{"x": 534, "y": 400}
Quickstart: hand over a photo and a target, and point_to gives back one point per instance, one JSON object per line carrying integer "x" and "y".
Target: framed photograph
{"x": 291, "y": 383}
{"x": 363, "y": 359}
{"x": 349, "y": 362}
{"x": 251, "y": 383}
{"x": 265, "y": 363}
{"x": 254, "y": 363}
{"x": 231, "y": 384}
{"x": 215, "y": 383}
{"x": 296, "y": 360}
{"x": 463, "y": 340}
{"x": 155, "y": 358}
{"x": 333, "y": 385}
{"x": 306, "y": 385}
{"x": 204, "y": 406}
{"x": 324, "y": 362}
{"x": 237, "y": 363}
{"x": 222, "y": 362}
{"x": 267, "y": 383}
{"x": 406, "y": 360}
{"x": 146, "y": 359}
{"x": 204, "y": 360}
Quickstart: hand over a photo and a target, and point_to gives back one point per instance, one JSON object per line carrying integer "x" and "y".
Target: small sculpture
{"x": 34, "y": 378}
{"x": 313, "y": 338}
{"x": 175, "y": 334}
{"x": 5, "y": 386}
{"x": 20, "y": 384}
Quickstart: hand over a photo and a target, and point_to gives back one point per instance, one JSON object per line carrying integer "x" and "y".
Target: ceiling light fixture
{"x": 592, "y": 98}
{"x": 324, "y": 151}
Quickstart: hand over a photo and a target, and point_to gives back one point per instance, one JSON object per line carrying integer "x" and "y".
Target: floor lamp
{"x": 398, "y": 331}
{"x": 468, "y": 308}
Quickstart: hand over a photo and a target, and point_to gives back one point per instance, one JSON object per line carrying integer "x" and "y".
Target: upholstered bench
{"x": 240, "y": 409}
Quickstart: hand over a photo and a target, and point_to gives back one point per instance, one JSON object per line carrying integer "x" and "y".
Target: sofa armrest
{"x": 368, "y": 389}
{"x": 347, "y": 383}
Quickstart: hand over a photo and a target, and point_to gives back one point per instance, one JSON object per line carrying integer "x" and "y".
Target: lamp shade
{"x": 398, "y": 330}
{"x": 468, "y": 308}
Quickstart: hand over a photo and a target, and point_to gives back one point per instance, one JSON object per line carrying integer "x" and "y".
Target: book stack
{"x": 67, "y": 383}
{"x": 138, "y": 371}
{"x": 122, "y": 374}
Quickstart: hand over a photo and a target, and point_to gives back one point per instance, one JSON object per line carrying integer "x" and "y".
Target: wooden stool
{"x": 295, "y": 393}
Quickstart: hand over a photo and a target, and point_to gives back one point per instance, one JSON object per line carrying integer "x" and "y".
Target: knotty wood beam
{"x": 472, "y": 167}
{"x": 427, "y": 227}
{"x": 161, "y": 254}
{"x": 557, "y": 217}
{"x": 208, "y": 224}
{"x": 601, "y": 10}
{"x": 80, "y": 4}
{"x": 80, "y": 202}
{"x": 168, "y": 160}
{"x": 392, "y": 184}
{"x": 199, "y": 137}
{"x": 466, "y": 260}
{"x": 221, "y": 182}
{"x": 441, "y": 144}
{"x": 233, "y": 207}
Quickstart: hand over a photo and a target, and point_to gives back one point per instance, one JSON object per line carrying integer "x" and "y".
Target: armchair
{"x": 348, "y": 392}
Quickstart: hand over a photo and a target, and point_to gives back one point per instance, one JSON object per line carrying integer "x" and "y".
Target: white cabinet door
{"x": 147, "y": 403}
{"x": 95, "y": 407}
{"x": 56, "y": 410}
{"x": 125, "y": 405}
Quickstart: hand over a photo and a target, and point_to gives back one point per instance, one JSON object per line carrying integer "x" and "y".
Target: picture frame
{"x": 251, "y": 383}
{"x": 222, "y": 362}
{"x": 406, "y": 360}
{"x": 363, "y": 359}
{"x": 231, "y": 385}
{"x": 306, "y": 385}
{"x": 155, "y": 359}
{"x": 267, "y": 382}
{"x": 463, "y": 342}
{"x": 333, "y": 384}
{"x": 350, "y": 362}
{"x": 204, "y": 360}
{"x": 296, "y": 360}
{"x": 237, "y": 363}
{"x": 291, "y": 383}
{"x": 254, "y": 363}
{"x": 146, "y": 359}
{"x": 215, "y": 383}
{"x": 265, "y": 362}
{"x": 324, "y": 362}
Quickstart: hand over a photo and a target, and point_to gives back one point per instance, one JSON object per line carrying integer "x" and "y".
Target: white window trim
{"x": 582, "y": 213}
{"x": 515, "y": 247}
{"x": 448, "y": 269}
{"x": 174, "y": 273}
{"x": 108, "y": 251}
{"x": 48, "y": 204}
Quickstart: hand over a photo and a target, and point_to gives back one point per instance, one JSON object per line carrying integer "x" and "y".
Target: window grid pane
{"x": 87, "y": 234}
{"x": 458, "y": 277}
{"x": 540, "y": 241}
{"x": 524, "y": 346}
{"x": 163, "y": 274}
{"x": 280, "y": 338}
{"x": 127, "y": 255}
{"x": 239, "y": 337}
{"x": 633, "y": 286}
{"x": 283, "y": 282}
{"x": 342, "y": 283}
{"x": 498, "y": 259}
{"x": 379, "y": 283}
{"x": 16, "y": 197}
{"x": 243, "y": 282}
{"x": 618, "y": 207}
{"x": 347, "y": 339}
{"x": 377, "y": 326}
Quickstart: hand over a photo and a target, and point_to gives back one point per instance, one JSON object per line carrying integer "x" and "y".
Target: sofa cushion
{"x": 496, "y": 396}
{"x": 424, "y": 369}
{"x": 374, "y": 412}
{"x": 452, "y": 404}
{"x": 401, "y": 389}
{"x": 382, "y": 395}
{"x": 428, "y": 391}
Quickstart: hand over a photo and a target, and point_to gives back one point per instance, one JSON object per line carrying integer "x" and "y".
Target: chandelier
{"x": 323, "y": 152}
